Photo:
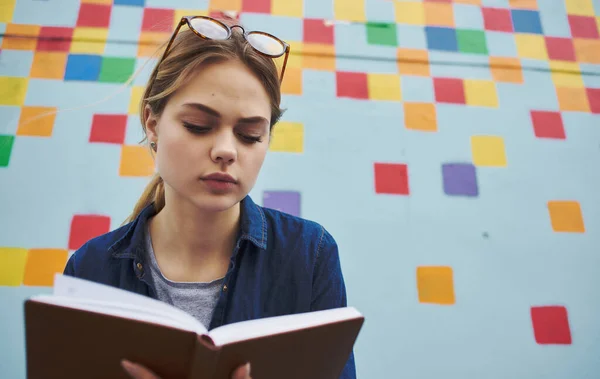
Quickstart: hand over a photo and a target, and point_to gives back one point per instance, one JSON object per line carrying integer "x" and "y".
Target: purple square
{"x": 460, "y": 179}
{"x": 284, "y": 201}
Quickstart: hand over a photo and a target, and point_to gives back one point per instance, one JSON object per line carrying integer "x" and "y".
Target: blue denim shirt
{"x": 281, "y": 264}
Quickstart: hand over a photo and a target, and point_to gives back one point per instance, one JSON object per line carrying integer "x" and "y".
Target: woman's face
{"x": 217, "y": 123}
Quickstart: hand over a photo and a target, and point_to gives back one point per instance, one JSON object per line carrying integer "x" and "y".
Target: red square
{"x": 583, "y": 27}
{"x": 94, "y": 15}
{"x": 54, "y": 38}
{"x": 316, "y": 31}
{"x": 391, "y": 178}
{"x": 551, "y": 325}
{"x": 594, "y": 99}
{"x": 449, "y": 90}
{"x": 548, "y": 124}
{"x": 561, "y": 49}
{"x": 497, "y": 19}
{"x": 256, "y": 6}
{"x": 108, "y": 128}
{"x": 86, "y": 227}
{"x": 352, "y": 84}
{"x": 158, "y": 20}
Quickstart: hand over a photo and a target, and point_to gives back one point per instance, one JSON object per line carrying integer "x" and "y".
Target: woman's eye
{"x": 197, "y": 129}
{"x": 250, "y": 139}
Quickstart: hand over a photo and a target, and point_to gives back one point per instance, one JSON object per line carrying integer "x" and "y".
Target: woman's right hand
{"x": 137, "y": 371}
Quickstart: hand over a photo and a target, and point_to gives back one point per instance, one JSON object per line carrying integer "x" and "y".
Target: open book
{"x": 84, "y": 329}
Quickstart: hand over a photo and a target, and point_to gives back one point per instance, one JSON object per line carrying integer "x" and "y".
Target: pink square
{"x": 108, "y": 128}
{"x": 55, "y": 38}
{"x": 256, "y": 6}
{"x": 449, "y": 90}
{"x": 158, "y": 20}
{"x": 316, "y": 31}
{"x": 94, "y": 15}
{"x": 352, "y": 84}
{"x": 561, "y": 49}
{"x": 497, "y": 19}
{"x": 86, "y": 227}
{"x": 551, "y": 325}
{"x": 583, "y": 27}
{"x": 391, "y": 178}
{"x": 548, "y": 124}
{"x": 594, "y": 99}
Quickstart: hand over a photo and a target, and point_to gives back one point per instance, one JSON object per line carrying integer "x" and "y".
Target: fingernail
{"x": 248, "y": 369}
{"x": 129, "y": 367}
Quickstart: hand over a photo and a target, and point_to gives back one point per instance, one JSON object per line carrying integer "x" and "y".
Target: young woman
{"x": 196, "y": 239}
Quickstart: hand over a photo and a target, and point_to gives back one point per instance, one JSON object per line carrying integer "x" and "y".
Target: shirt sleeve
{"x": 329, "y": 289}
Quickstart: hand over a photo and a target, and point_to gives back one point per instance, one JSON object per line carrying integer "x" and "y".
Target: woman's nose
{"x": 224, "y": 149}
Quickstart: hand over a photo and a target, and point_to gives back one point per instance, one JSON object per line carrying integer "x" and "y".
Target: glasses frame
{"x": 186, "y": 20}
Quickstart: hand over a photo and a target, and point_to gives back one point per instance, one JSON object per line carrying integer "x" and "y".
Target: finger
{"x": 137, "y": 371}
{"x": 242, "y": 372}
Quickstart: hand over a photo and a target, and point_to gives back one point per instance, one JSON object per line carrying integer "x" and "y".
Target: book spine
{"x": 204, "y": 360}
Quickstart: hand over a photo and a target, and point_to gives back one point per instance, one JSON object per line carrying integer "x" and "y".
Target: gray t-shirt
{"x": 196, "y": 298}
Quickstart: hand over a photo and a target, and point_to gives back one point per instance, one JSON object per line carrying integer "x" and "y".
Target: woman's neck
{"x": 191, "y": 244}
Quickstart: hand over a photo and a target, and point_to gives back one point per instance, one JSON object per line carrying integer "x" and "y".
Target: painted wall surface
{"x": 451, "y": 147}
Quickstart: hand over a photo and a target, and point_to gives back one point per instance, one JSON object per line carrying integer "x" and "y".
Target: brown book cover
{"x": 69, "y": 342}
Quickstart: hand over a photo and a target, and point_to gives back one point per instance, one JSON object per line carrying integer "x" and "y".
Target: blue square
{"x": 446, "y": 64}
{"x": 554, "y": 19}
{"x": 468, "y": 17}
{"x": 135, "y": 3}
{"x": 286, "y": 28}
{"x": 46, "y": 13}
{"x": 379, "y": 11}
{"x": 83, "y": 67}
{"x": 411, "y": 37}
{"x": 15, "y": 62}
{"x": 417, "y": 89}
{"x": 318, "y": 9}
{"x": 501, "y": 44}
{"x": 439, "y": 38}
{"x": 526, "y": 21}
{"x": 590, "y": 74}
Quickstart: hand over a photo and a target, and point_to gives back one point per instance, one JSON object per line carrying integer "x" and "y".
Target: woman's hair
{"x": 187, "y": 55}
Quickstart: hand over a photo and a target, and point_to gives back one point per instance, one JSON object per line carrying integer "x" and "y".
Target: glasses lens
{"x": 266, "y": 44}
{"x": 209, "y": 28}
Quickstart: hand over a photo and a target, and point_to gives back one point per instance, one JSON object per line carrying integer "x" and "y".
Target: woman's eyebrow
{"x": 212, "y": 112}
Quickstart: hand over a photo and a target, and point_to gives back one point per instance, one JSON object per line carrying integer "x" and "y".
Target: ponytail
{"x": 154, "y": 192}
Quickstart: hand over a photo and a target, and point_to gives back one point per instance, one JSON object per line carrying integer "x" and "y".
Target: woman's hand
{"x": 137, "y": 371}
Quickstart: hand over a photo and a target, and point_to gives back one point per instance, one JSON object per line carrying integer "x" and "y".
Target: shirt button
{"x": 225, "y": 288}
{"x": 140, "y": 267}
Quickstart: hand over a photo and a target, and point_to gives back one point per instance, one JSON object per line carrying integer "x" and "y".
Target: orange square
{"x": 565, "y": 216}
{"x": 48, "y": 65}
{"x": 420, "y": 116}
{"x": 587, "y": 50}
{"x": 439, "y": 14}
{"x": 505, "y": 69}
{"x": 435, "y": 285}
{"x": 292, "y": 81}
{"x": 36, "y": 121}
{"x": 472, "y": 2}
{"x": 42, "y": 265}
{"x": 413, "y": 62}
{"x": 225, "y": 5}
{"x": 318, "y": 56}
{"x": 136, "y": 161}
{"x": 523, "y": 4}
{"x": 572, "y": 99}
{"x": 151, "y": 44}
{"x": 26, "y": 40}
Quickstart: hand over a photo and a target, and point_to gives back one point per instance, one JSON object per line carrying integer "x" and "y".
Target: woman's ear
{"x": 151, "y": 123}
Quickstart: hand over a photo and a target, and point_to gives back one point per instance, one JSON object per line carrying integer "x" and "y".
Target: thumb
{"x": 137, "y": 371}
{"x": 242, "y": 372}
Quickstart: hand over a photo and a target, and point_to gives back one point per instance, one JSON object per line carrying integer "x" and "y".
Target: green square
{"x": 116, "y": 70}
{"x": 6, "y": 144}
{"x": 471, "y": 41}
{"x": 379, "y": 33}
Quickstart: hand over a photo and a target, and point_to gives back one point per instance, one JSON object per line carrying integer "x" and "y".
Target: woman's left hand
{"x": 137, "y": 371}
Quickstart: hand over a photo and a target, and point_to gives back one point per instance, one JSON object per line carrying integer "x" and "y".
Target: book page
{"x": 245, "y": 330}
{"x": 75, "y": 288}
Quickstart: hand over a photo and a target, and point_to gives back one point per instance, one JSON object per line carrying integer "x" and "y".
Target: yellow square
{"x": 226, "y": 5}
{"x": 566, "y": 74}
{"x": 348, "y": 10}
{"x": 481, "y": 93}
{"x": 420, "y": 116}
{"x": 524, "y": 4}
{"x": 318, "y": 56}
{"x": 179, "y": 13}
{"x": 42, "y": 265}
{"x": 12, "y": 266}
{"x": 291, "y": 8}
{"x": 410, "y": 12}
{"x": 27, "y": 39}
{"x": 88, "y": 40}
{"x": 471, "y": 2}
{"x": 296, "y": 51}
{"x": 292, "y": 81}
{"x": 572, "y": 99}
{"x": 48, "y": 65}
{"x": 288, "y": 137}
{"x": 488, "y": 151}
{"x": 531, "y": 46}
{"x": 435, "y": 285}
{"x": 587, "y": 50}
{"x": 13, "y": 90}
{"x": 439, "y": 14}
{"x": 136, "y": 161}
{"x": 580, "y": 7}
{"x": 384, "y": 86}
{"x": 134, "y": 101}
{"x": 36, "y": 121}
{"x": 565, "y": 216}
{"x": 151, "y": 43}
{"x": 7, "y": 8}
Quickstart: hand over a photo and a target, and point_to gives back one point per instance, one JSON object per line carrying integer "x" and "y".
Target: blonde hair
{"x": 187, "y": 54}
